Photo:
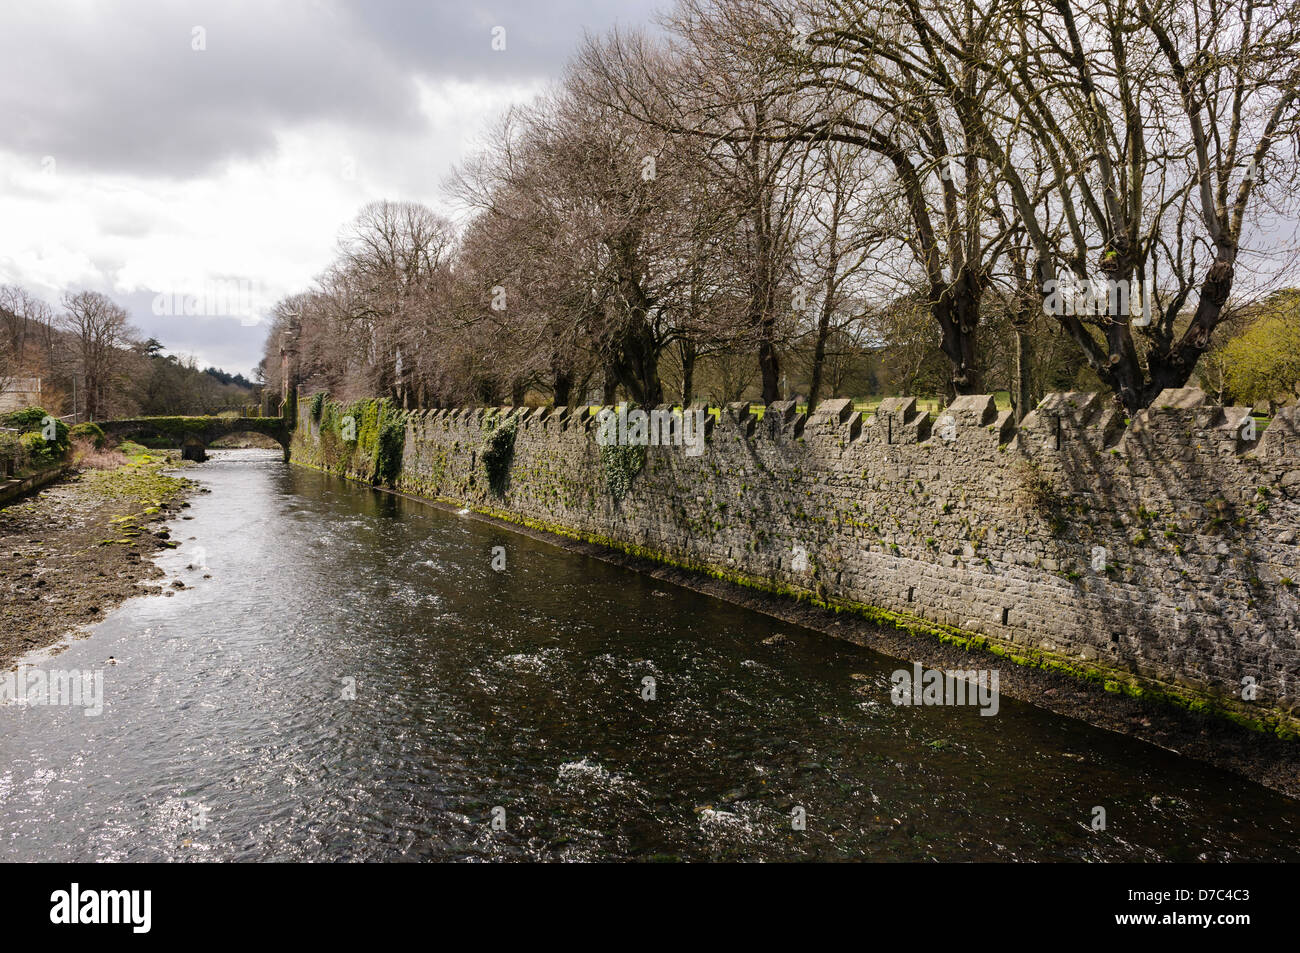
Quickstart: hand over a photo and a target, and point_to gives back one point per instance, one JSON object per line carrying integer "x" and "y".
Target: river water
{"x": 349, "y": 678}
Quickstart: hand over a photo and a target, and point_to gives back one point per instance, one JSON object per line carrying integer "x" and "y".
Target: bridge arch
{"x": 193, "y": 435}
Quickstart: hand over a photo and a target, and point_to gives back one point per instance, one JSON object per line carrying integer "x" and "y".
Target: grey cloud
{"x": 217, "y": 341}
{"x": 118, "y": 87}
{"x": 115, "y": 87}
{"x": 445, "y": 37}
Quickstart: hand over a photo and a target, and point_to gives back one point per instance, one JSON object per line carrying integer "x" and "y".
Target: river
{"x": 348, "y": 677}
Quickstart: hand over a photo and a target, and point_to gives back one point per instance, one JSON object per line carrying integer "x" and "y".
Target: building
{"x": 19, "y": 392}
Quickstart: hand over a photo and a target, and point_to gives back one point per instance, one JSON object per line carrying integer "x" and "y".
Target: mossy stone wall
{"x": 1158, "y": 557}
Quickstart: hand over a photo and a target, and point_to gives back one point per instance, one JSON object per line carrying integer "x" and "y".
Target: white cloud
{"x": 134, "y": 164}
{"x": 270, "y": 221}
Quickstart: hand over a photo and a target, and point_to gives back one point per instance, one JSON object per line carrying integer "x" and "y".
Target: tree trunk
{"x": 609, "y": 388}
{"x": 1173, "y": 367}
{"x": 956, "y": 307}
{"x": 819, "y": 354}
{"x": 958, "y": 317}
{"x": 561, "y": 387}
{"x": 633, "y": 352}
{"x": 1021, "y": 392}
{"x": 768, "y": 364}
{"x": 688, "y": 352}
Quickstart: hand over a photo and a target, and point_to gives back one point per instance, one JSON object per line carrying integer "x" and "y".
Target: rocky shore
{"x": 76, "y": 549}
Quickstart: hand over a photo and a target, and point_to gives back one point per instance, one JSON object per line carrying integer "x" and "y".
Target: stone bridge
{"x": 193, "y": 435}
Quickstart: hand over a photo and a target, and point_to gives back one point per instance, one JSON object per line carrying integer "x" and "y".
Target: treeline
{"x": 781, "y": 196}
{"x": 94, "y": 365}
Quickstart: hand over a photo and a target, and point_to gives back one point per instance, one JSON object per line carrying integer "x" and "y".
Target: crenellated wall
{"x": 1158, "y": 557}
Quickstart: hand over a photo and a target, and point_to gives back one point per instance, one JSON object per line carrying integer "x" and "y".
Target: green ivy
{"x": 374, "y": 455}
{"x": 388, "y": 451}
{"x": 498, "y": 452}
{"x": 622, "y": 464}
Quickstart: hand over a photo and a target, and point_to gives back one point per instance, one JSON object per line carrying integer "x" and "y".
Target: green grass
{"x": 137, "y": 453}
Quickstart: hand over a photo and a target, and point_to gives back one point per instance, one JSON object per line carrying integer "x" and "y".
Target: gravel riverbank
{"x": 74, "y": 550}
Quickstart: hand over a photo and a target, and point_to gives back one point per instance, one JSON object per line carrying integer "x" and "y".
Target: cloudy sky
{"x": 152, "y": 149}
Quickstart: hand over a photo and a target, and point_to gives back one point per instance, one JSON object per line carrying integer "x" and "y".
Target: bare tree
{"x": 1133, "y": 126}
{"x": 98, "y": 330}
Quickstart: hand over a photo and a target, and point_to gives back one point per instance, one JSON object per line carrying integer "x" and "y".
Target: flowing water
{"x": 349, "y": 678}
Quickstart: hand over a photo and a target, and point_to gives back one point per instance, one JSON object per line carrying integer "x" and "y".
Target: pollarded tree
{"x": 592, "y": 215}
{"x": 527, "y": 267}
{"x": 861, "y": 73}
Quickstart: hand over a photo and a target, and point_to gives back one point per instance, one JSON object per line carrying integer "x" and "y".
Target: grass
{"x": 89, "y": 457}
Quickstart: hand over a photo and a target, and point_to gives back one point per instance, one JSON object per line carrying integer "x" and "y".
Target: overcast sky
{"x": 153, "y": 148}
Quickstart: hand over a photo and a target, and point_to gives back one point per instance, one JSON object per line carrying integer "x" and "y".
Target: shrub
{"x": 40, "y": 453}
{"x": 90, "y": 456}
{"x": 29, "y": 418}
{"x": 88, "y": 432}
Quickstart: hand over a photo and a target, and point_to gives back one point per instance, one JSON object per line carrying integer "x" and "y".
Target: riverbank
{"x": 76, "y": 549}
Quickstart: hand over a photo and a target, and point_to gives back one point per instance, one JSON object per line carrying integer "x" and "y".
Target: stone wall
{"x": 1157, "y": 557}
{"x": 19, "y": 393}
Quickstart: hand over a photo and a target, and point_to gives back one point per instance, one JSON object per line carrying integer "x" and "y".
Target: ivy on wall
{"x": 364, "y": 439}
{"x": 622, "y": 464}
{"x": 498, "y": 452}
{"x": 388, "y": 451}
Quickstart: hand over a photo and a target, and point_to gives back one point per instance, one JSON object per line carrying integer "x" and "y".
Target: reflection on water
{"x": 230, "y": 731}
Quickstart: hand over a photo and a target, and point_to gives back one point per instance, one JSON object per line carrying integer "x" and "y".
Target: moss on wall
{"x": 362, "y": 440}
